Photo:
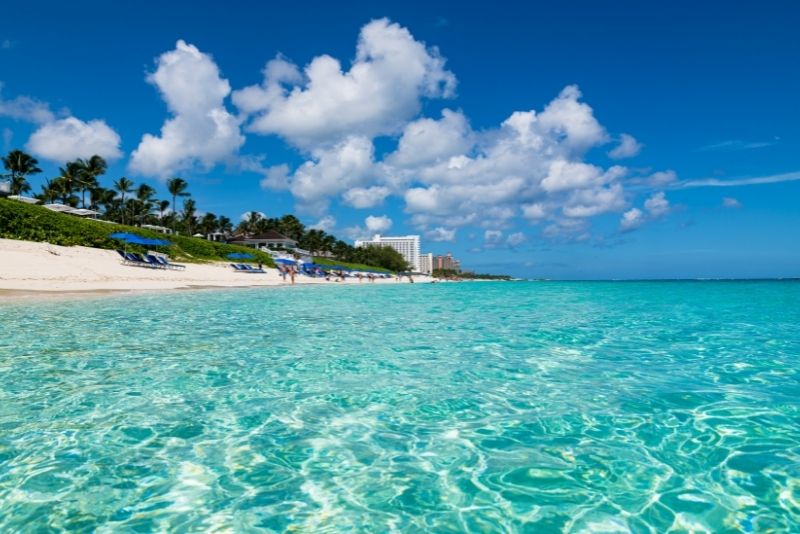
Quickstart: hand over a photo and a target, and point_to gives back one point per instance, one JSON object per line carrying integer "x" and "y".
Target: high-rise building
{"x": 426, "y": 263}
{"x": 407, "y": 246}
{"x": 447, "y": 262}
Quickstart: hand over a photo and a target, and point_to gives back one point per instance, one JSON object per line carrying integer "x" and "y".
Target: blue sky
{"x": 495, "y": 133}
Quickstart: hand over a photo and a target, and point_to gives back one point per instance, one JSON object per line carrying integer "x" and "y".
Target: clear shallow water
{"x": 530, "y": 407}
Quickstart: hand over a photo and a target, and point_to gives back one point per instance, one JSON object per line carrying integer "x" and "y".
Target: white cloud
{"x": 730, "y": 202}
{"x": 534, "y": 212}
{"x": 201, "y": 131}
{"x": 492, "y": 237}
{"x": 441, "y": 234}
{"x": 567, "y": 116}
{"x": 26, "y": 109}
{"x": 631, "y": 219}
{"x": 628, "y": 147}
{"x": 662, "y": 178}
{"x": 382, "y": 90}
{"x": 71, "y": 138}
{"x": 326, "y": 224}
{"x": 378, "y": 224}
{"x": 247, "y": 214}
{"x": 63, "y": 139}
{"x": 657, "y": 204}
{"x": 516, "y": 239}
{"x": 734, "y": 182}
{"x": 365, "y": 197}
{"x": 426, "y": 141}
{"x": 331, "y": 172}
{"x": 276, "y": 178}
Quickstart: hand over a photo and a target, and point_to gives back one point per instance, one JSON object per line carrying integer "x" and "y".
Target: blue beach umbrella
{"x": 285, "y": 261}
{"x": 139, "y": 240}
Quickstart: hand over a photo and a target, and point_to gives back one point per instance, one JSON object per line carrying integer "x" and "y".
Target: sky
{"x": 572, "y": 140}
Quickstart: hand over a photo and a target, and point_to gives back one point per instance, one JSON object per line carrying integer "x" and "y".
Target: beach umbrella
{"x": 284, "y": 261}
{"x": 139, "y": 240}
{"x": 240, "y": 256}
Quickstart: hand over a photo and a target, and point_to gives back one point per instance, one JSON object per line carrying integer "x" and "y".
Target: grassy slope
{"x": 35, "y": 223}
{"x": 354, "y": 266}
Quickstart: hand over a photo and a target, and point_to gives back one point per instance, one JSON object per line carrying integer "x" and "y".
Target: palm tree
{"x": 224, "y": 225}
{"x": 123, "y": 185}
{"x": 90, "y": 170}
{"x": 177, "y": 188}
{"x": 19, "y": 166}
{"x": 68, "y": 179}
{"x": 189, "y": 220}
{"x": 208, "y": 224}
{"x": 162, "y": 206}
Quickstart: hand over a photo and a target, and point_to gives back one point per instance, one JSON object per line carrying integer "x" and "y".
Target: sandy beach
{"x": 28, "y": 267}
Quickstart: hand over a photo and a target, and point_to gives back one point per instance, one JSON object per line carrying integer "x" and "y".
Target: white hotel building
{"x": 407, "y": 246}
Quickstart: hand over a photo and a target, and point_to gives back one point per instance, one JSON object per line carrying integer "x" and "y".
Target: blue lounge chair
{"x": 166, "y": 263}
{"x": 153, "y": 262}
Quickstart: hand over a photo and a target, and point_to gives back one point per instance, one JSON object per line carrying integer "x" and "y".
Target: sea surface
{"x": 474, "y": 407}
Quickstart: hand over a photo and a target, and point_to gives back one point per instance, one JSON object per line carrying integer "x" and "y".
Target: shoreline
{"x": 40, "y": 270}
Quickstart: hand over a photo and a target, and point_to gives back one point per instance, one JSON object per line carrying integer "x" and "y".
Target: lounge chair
{"x": 166, "y": 263}
{"x": 242, "y": 268}
{"x": 153, "y": 261}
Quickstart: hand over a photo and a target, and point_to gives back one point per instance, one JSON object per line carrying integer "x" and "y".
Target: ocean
{"x": 473, "y": 407}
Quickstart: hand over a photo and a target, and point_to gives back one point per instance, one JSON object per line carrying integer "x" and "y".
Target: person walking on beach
{"x": 292, "y": 273}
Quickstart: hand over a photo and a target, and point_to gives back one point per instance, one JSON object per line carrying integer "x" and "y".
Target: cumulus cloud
{"x": 655, "y": 207}
{"x": 26, "y": 108}
{"x": 441, "y": 234}
{"x": 426, "y": 141}
{"x": 657, "y": 204}
{"x": 326, "y": 224}
{"x": 276, "y": 178}
{"x": 331, "y": 172}
{"x": 378, "y": 224}
{"x": 383, "y": 88}
{"x": 365, "y": 197}
{"x": 533, "y": 164}
{"x": 631, "y": 219}
{"x": 248, "y": 214}
{"x": 628, "y": 147}
{"x": 492, "y": 237}
{"x": 71, "y": 138}
{"x": 730, "y": 202}
{"x": 61, "y": 139}
{"x": 201, "y": 132}
{"x": 516, "y": 239}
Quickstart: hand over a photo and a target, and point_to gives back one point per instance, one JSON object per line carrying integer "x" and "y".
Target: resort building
{"x": 446, "y": 262}
{"x": 266, "y": 240}
{"x": 426, "y": 263}
{"x": 407, "y": 246}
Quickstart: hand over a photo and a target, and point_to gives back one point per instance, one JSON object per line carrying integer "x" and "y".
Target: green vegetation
{"x": 78, "y": 184}
{"x": 35, "y": 223}
{"x": 353, "y": 266}
{"x": 450, "y": 274}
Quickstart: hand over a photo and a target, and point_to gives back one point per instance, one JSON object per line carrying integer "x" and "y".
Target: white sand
{"x": 41, "y": 267}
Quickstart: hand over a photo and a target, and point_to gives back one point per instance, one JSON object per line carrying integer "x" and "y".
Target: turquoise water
{"x": 493, "y": 407}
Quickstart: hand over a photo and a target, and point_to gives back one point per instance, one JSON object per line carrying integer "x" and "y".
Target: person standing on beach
{"x": 292, "y": 273}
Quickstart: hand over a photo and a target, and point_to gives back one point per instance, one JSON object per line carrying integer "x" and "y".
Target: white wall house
{"x": 407, "y": 246}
